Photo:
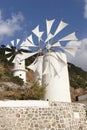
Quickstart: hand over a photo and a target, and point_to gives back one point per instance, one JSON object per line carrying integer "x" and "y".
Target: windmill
{"x": 14, "y": 53}
{"x": 53, "y": 66}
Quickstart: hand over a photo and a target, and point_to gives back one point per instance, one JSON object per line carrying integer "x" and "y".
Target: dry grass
{"x": 35, "y": 92}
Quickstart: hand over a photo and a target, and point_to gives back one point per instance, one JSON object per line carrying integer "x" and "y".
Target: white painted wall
{"x": 19, "y": 67}
{"x": 24, "y": 103}
{"x": 21, "y": 73}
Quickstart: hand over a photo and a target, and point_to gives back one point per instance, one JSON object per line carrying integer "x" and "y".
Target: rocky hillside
{"x": 8, "y": 84}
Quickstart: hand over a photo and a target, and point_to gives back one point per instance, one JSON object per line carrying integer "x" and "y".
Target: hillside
{"x": 78, "y": 77}
{"x": 13, "y": 87}
{"x": 78, "y": 82}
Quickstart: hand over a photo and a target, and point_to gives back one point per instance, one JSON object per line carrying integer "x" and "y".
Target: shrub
{"x": 36, "y": 91}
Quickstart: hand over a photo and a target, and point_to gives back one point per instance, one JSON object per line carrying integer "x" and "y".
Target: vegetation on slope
{"x": 13, "y": 92}
{"x": 78, "y": 77}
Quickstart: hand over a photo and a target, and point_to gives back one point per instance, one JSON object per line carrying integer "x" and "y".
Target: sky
{"x": 19, "y": 17}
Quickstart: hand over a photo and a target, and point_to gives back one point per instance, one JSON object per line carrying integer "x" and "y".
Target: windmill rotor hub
{"x": 40, "y": 50}
{"x": 48, "y": 46}
{"x": 16, "y": 50}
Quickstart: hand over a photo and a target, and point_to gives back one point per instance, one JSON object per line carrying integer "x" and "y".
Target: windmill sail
{"x": 50, "y": 36}
{"x": 61, "y": 57}
{"x": 69, "y": 37}
{"x": 11, "y": 50}
{"x": 37, "y": 32}
{"x": 27, "y": 44}
{"x": 49, "y": 24}
{"x": 9, "y": 58}
{"x": 18, "y": 40}
{"x": 30, "y": 39}
{"x": 72, "y": 51}
{"x": 12, "y": 42}
{"x": 36, "y": 66}
{"x": 60, "y": 27}
{"x": 56, "y": 44}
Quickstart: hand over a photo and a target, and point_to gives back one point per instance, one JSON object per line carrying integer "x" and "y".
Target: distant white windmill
{"x": 52, "y": 65}
{"x": 16, "y": 53}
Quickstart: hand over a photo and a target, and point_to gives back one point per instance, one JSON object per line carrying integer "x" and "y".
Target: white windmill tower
{"x": 55, "y": 72}
{"x": 53, "y": 66}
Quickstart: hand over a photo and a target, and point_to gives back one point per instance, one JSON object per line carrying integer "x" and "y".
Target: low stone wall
{"x": 57, "y": 116}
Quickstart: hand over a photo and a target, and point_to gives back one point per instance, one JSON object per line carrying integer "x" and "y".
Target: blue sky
{"x": 19, "y": 17}
{"x": 34, "y": 12}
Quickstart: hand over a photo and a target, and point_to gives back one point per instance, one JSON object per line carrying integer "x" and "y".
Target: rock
{"x": 77, "y": 92}
{"x": 10, "y": 85}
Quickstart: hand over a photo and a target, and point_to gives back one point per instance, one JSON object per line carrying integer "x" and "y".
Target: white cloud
{"x": 9, "y": 26}
{"x": 85, "y": 9}
{"x": 80, "y": 58}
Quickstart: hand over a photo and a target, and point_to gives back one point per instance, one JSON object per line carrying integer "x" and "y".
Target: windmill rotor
{"x": 28, "y": 48}
{"x": 13, "y": 49}
{"x": 69, "y": 37}
{"x": 49, "y": 44}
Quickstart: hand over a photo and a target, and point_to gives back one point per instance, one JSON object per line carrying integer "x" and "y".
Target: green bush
{"x": 36, "y": 91}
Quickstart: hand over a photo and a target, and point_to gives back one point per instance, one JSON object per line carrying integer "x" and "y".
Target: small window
{"x": 20, "y": 63}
